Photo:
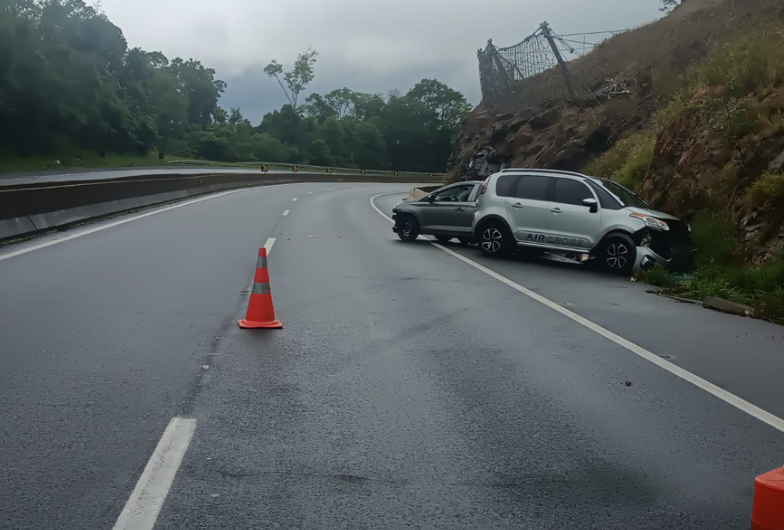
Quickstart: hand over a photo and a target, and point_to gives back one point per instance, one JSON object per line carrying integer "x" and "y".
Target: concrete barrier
{"x": 26, "y": 209}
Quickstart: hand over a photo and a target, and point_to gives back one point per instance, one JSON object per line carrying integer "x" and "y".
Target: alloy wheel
{"x": 492, "y": 240}
{"x": 617, "y": 256}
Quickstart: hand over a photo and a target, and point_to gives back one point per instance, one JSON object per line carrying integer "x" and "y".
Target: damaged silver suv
{"x": 576, "y": 215}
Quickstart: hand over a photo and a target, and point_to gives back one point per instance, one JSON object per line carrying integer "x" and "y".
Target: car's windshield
{"x": 625, "y": 196}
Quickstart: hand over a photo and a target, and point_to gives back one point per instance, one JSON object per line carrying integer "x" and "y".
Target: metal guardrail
{"x": 30, "y": 208}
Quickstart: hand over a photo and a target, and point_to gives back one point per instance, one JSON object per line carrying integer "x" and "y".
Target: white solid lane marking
{"x": 294, "y": 199}
{"x": 125, "y": 220}
{"x": 285, "y": 213}
{"x": 376, "y": 208}
{"x": 739, "y": 403}
{"x": 142, "y": 509}
{"x": 268, "y": 244}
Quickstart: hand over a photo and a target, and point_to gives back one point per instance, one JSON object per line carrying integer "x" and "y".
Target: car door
{"x": 449, "y": 211}
{"x": 528, "y": 209}
{"x": 573, "y": 224}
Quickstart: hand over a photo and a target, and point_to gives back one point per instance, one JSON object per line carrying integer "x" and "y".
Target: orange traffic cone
{"x": 260, "y": 313}
{"x": 768, "y": 510}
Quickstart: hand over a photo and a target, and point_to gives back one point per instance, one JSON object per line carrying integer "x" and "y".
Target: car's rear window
{"x": 506, "y": 184}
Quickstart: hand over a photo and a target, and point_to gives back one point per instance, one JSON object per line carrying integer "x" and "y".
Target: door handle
{"x": 556, "y": 210}
{"x": 459, "y": 209}
{"x": 517, "y": 205}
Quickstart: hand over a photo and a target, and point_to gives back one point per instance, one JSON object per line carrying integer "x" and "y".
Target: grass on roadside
{"x": 721, "y": 270}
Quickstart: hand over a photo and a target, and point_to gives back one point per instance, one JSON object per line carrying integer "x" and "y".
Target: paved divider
{"x": 26, "y": 209}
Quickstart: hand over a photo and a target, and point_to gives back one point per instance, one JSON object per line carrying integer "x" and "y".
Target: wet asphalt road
{"x": 406, "y": 390}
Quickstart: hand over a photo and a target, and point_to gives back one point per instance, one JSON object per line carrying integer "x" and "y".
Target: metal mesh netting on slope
{"x": 528, "y": 73}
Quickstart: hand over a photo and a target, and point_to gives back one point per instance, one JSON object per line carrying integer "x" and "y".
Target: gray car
{"x": 446, "y": 213}
{"x": 575, "y": 214}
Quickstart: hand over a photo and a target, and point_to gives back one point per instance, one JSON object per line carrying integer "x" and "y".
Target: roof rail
{"x": 534, "y": 170}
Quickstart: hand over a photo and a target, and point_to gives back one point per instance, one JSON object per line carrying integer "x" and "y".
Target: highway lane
{"x": 740, "y": 355}
{"x": 101, "y": 340}
{"x": 406, "y": 389}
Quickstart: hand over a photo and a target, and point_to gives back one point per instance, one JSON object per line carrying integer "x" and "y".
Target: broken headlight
{"x": 651, "y": 222}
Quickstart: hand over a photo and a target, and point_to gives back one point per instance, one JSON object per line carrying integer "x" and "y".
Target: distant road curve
{"x": 66, "y": 175}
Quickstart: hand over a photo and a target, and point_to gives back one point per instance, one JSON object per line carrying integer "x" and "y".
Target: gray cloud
{"x": 364, "y": 45}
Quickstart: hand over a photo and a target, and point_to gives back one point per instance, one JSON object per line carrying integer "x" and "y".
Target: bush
{"x": 716, "y": 240}
{"x": 631, "y": 174}
{"x": 767, "y": 190}
{"x": 658, "y": 276}
{"x": 626, "y": 161}
{"x": 722, "y": 271}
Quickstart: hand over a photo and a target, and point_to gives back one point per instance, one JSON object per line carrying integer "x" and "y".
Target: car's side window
{"x": 506, "y": 184}
{"x": 532, "y": 187}
{"x": 569, "y": 191}
{"x": 455, "y": 194}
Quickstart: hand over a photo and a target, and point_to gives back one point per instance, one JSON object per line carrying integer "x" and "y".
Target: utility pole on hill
{"x": 549, "y": 36}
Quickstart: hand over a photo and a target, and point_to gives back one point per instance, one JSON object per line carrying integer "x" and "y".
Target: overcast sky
{"x": 365, "y": 45}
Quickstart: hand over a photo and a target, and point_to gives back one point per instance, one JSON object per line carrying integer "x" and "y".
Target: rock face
{"x": 695, "y": 167}
{"x": 556, "y": 137}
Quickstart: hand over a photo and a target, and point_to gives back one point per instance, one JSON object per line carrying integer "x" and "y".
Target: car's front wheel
{"x": 407, "y": 228}
{"x": 617, "y": 254}
{"x": 494, "y": 239}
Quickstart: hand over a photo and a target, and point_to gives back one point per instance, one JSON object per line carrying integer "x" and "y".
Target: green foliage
{"x": 721, "y": 270}
{"x": 658, "y": 276}
{"x": 716, "y": 240}
{"x": 742, "y": 67}
{"x": 70, "y": 89}
{"x": 66, "y": 72}
{"x": 627, "y": 161}
{"x": 296, "y": 79}
{"x": 767, "y": 191}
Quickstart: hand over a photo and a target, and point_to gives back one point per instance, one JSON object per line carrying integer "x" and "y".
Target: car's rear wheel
{"x": 407, "y": 228}
{"x": 494, "y": 239}
{"x": 443, "y": 239}
{"x": 617, "y": 254}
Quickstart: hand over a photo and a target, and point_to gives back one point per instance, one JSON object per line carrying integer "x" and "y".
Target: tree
{"x": 341, "y": 101}
{"x": 449, "y": 106}
{"x": 298, "y": 78}
{"x": 316, "y": 107}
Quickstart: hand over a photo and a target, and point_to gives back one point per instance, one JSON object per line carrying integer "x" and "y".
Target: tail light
{"x": 484, "y": 185}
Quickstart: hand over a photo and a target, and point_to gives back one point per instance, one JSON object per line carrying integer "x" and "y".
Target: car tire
{"x": 617, "y": 253}
{"x": 443, "y": 239}
{"x": 494, "y": 239}
{"x": 407, "y": 228}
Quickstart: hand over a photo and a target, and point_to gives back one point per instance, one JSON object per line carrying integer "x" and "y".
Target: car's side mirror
{"x": 431, "y": 198}
{"x": 592, "y": 204}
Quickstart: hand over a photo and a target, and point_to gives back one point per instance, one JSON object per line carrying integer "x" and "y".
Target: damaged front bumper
{"x": 673, "y": 250}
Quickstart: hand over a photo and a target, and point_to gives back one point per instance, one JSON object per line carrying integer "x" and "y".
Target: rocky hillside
{"x": 702, "y": 129}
